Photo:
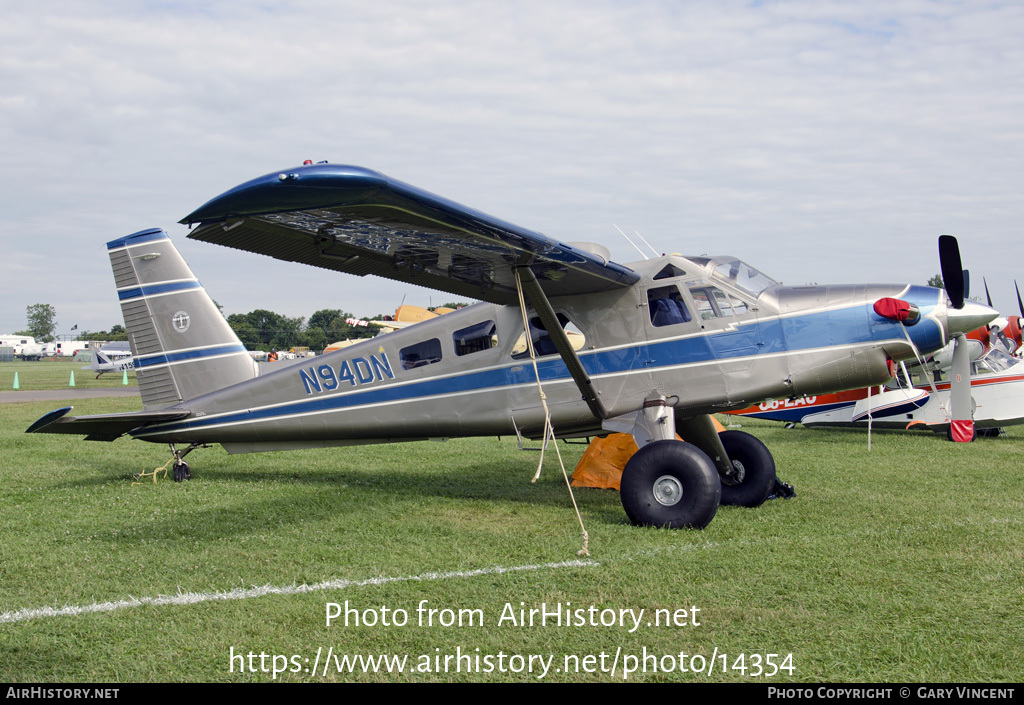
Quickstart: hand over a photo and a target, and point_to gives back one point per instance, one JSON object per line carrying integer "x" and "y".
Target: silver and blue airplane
{"x": 668, "y": 341}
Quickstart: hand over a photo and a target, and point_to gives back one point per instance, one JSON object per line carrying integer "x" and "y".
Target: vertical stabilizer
{"x": 182, "y": 345}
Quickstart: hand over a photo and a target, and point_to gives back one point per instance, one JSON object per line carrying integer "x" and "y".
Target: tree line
{"x": 258, "y": 330}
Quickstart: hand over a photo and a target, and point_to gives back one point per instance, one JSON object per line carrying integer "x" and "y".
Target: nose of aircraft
{"x": 973, "y": 315}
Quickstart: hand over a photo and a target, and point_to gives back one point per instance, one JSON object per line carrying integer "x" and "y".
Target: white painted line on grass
{"x": 191, "y": 598}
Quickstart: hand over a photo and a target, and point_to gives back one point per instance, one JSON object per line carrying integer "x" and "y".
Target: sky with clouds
{"x": 821, "y": 141}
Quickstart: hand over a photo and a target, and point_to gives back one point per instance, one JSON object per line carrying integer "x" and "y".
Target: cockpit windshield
{"x": 995, "y": 361}
{"x": 743, "y": 276}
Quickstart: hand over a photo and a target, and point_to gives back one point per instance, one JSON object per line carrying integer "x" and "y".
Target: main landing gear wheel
{"x": 755, "y": 470}
{"x": 670, "y": 484}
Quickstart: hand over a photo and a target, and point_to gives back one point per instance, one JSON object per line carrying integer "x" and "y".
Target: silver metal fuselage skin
{"x": 786, "y": 341}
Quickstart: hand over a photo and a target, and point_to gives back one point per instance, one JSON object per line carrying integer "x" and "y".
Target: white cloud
{"x": 821, "y": 141}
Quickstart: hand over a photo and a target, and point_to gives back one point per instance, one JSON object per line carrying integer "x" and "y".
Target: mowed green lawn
{"x": 57, "y": 375}
{"x": 898, "y": 564}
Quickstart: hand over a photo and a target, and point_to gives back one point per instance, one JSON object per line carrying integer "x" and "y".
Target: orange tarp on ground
{"x": 604, "y": 459}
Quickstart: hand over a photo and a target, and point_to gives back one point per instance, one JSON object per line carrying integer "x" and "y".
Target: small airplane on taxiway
{"x": 668, "y": 340}
{"x": 113, "y": 357}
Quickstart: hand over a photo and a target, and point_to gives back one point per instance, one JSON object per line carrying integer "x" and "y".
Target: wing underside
{"x": 361, "y": 222}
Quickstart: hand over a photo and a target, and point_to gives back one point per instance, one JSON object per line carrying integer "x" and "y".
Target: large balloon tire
{"x": 670, "y": 484}
{"x": 754, "y": 463}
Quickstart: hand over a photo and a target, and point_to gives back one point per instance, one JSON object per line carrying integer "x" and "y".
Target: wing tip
{"x": 48, "y": 419}
{"x": 297, "y": 188}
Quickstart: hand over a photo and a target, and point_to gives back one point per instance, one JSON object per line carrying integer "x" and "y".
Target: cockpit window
{"x": 726, "y": 304}
{"x": 994, "y": 361}
{"x": 712, "y": 302}
{"x": 666, "y": 306}
{"x": 744, "y": 277}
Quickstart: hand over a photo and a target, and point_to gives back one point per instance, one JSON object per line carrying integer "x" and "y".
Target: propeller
{"x": 1014, "y": 327}
{"x": 952, "y": 270}
{"x": 961, "y": 427}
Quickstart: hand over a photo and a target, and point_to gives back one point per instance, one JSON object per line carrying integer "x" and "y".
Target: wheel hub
{"x": 667, "y": 490}
{"x": 737, "y": 474}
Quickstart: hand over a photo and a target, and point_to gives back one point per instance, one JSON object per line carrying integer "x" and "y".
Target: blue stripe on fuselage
{"x": 848, "y": 326}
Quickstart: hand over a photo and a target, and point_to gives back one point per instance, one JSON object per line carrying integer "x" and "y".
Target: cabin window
{"x": 542, "y": 343}
{"x": 426, "y": 353}
{"x": 666, "y": 306}
{"x": 482, "y": 336}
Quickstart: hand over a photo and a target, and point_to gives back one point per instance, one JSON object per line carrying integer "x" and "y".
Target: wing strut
{"x": 535, "y": 295}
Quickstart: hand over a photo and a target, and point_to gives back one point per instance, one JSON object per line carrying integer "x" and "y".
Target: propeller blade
{"x": 952, "y": 269}
{"x": 988, "y": 296}
{"x": 967, "y": 284}
{"x": 1020, "y": 303}
{"x": 961, "y": 419}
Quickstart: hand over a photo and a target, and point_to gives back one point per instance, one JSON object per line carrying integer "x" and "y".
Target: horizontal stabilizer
{"x": 101, "y": 427}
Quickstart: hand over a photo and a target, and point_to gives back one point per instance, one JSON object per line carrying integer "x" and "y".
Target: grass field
{"x": 57, "y": 375}
{"x": 898, "y": 564}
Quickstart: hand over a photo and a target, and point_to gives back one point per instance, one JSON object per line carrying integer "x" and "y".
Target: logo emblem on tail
{"x": 181, "y": 321}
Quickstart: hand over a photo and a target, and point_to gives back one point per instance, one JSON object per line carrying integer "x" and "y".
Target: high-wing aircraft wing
{"x": 359, "y": 221}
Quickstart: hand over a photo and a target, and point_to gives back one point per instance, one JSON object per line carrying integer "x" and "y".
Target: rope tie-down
{"x": 549, "y": 431}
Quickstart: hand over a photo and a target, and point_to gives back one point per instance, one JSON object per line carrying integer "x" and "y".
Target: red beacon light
{"x": 307, "y": 162}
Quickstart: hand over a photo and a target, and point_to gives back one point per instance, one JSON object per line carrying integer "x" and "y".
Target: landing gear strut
{"x": 753, "y": 476}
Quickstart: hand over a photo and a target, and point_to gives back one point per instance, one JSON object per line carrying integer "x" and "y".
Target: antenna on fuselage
{"x": 646, "y": 243}
{"x": 630, "y": 241}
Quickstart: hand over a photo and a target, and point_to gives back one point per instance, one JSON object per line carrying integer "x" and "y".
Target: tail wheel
{"x": 670, "y": 484}
{"x": 755, "y": 470}
{"x": 182, "y": 471}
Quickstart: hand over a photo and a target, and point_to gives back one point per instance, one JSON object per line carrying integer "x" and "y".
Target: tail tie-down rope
{"x": 154, "y": 473}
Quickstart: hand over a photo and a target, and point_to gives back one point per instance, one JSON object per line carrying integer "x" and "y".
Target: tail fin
{"x": 182, "y": 345}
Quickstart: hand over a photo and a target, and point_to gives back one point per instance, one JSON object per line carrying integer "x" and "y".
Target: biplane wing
{"x": 359, "y": 221}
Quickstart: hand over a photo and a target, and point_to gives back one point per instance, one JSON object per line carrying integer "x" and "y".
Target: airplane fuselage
{"x": 468, "y": 373}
